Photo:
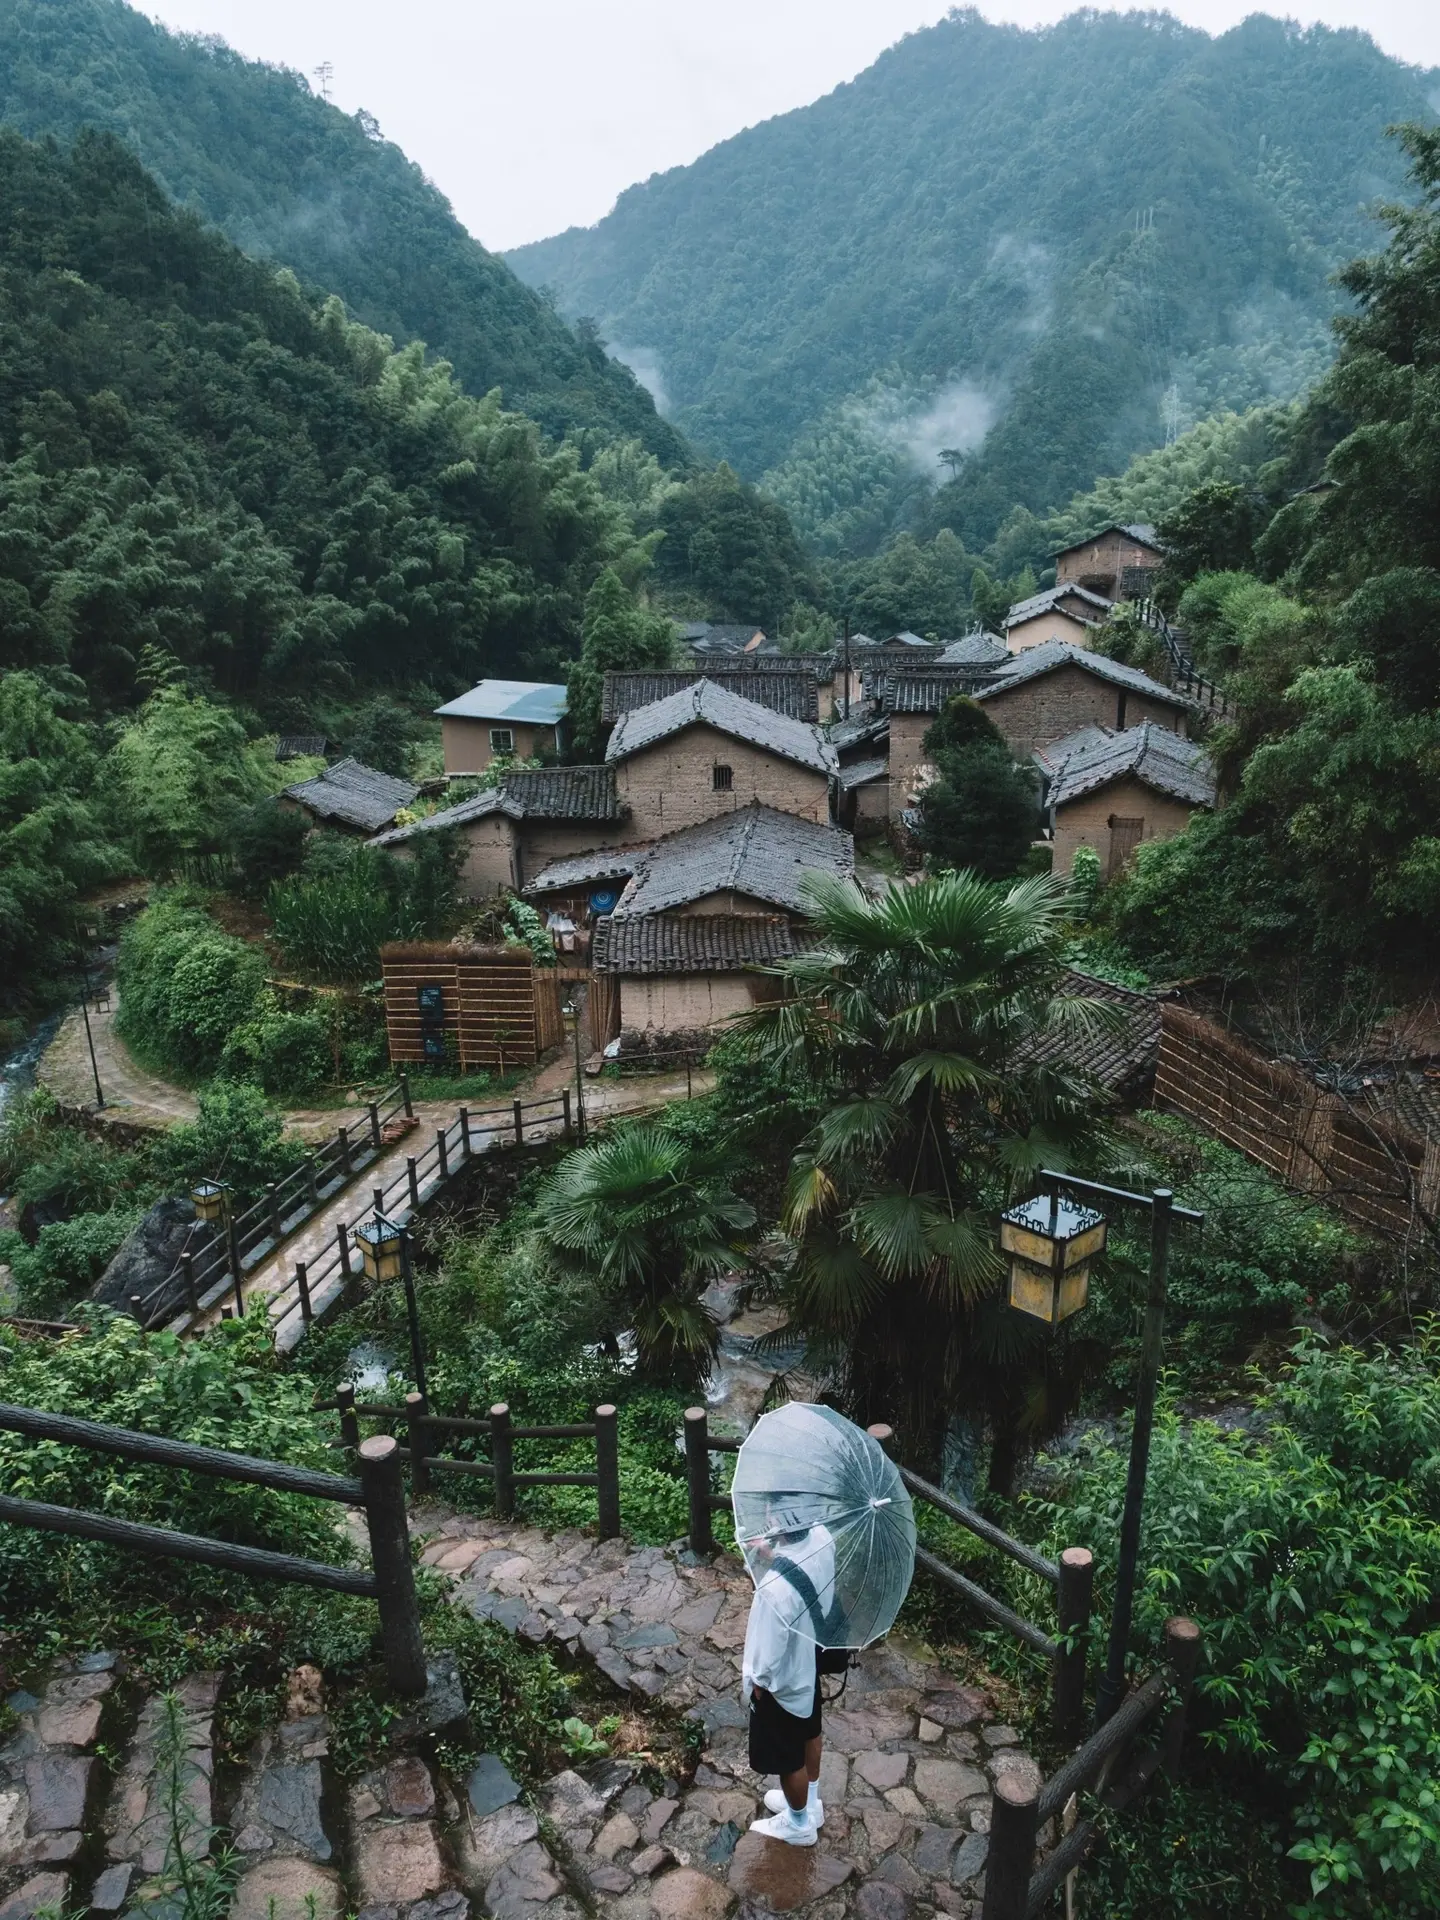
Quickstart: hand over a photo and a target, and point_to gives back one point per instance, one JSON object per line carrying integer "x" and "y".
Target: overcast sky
{"x": 532, "y": 115}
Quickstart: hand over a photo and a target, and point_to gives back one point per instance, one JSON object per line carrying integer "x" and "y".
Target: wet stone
{"x": 781, "y": 1878}
{"x": 956, "y": 1707}
{"x": 933, "y": 1850}
{"x": 491, "y": 1785}
{"x": 883, "y": 1770}
{"x": 607, "y": 1878}
{"x": 878, "y": 1900}
{"x": 969, "y": 1858}
{"x": 42, "y": 1892}
{"x": 615, "y": 1669}
{"x": 945, "y": 1783}
{"x": 397, "y": 1864}
{"x": 723, "y": 1845}
{"x": 526, "y": 1881}
{"x": 57, "y": 1785}
{"x": 655, "y": 1635}
{"x": 289, "y": 1801}
{"x": 287, "y": 1889}
{"x": 1000, "y": 1736}
{"x": 688, "y": 1895}
{"x": 658, "y": 1813}
{"x": 409, "y": 1790}
{"x": 618, "y": 1835}
{"x": 896, "y": 1871}
{"x": 650, "y": 1860}
{"x": 51, "y": 1849}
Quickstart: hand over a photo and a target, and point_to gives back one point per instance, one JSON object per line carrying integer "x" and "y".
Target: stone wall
{"x": 1053, "y": 704}
{"x": 541, "y": 841}
{"x": 907, "y": 756}
{"x": 1099, "y": 564}
{"x": 1086, "y": 822}
{"x": 672, "y": 784}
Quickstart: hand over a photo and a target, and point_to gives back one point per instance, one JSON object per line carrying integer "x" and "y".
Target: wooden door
{"x": 1125, "y": 836}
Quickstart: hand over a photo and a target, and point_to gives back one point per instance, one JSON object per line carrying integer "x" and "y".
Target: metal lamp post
{"x": 385, "y": 1255}
{"x": 1051, "y": 1240}
{"x": 92, "y": 934}
{"x": 211, "y": 1200}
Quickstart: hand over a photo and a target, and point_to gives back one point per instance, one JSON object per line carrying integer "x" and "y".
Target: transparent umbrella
{"x": 817, "y": 1500}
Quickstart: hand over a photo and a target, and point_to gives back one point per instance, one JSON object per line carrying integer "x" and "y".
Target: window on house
{"x": 502, "y": 740}
{"x": 723, "y": 779}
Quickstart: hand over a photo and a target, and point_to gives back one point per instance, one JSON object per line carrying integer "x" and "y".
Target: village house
{"x": 709, "y": 641}
{"x": 536, "y": 815}
{"x": 1066, "y": 613}
{"x": 704, "y": 751}
{"x": 1118, "y": 562}
{"x": 662, "y": 980}
{"x": 910, "y": 702}
{"x": 1049, "y": 691}
{"x": 502, "y": 720}
{"x": 350, "y": 797}
{"x": 752, "y": 861}
{"x": 775, "y": 684}
{"x": 1113, "y": 791}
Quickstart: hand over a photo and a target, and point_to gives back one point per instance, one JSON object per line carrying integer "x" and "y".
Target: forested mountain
{"x": 197, "y": 456}
{"x": 1040, "y": 252}
{"x": 288, "y": 177}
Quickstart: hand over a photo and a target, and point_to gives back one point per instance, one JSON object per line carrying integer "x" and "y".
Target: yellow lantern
{"x": 208, "y": 1197}
{"x": 379, "y": 1245}
{"x": 1051, "y": 1242}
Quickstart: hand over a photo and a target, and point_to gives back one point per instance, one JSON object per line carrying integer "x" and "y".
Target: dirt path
{"x": 132, "y": 1095}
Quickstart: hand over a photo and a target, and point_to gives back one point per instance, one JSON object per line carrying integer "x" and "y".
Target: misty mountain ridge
{"x": 1038, "y": 252}
{"x": 289, "y": 178}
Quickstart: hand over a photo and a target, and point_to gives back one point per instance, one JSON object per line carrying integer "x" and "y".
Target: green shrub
{"x": 267, "y": 843}
{"x": 184, "y": 985}
{"x": 1192, "y": 1852}
{"x": 236, "y": 1137}
{"x": 68, "y": 1257}
{"x": 333, "y": 918}
{"x": 48, "y": 1162}
{"x": 286, "y": 1054}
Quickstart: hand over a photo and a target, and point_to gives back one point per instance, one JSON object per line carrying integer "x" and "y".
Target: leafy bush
{"x": 1312, "y": 1555}
{"x": 286, "y": 1054}
{"x": 268, "y": 844}
{"x": 236, "y": 1137}
{"x": 184, "y": 984}
{"x": 332, "y": 920}
{"x": 1183, "y": 1853}
{"x": 50, "y": 1164}
{"x": 68, "y": 1257}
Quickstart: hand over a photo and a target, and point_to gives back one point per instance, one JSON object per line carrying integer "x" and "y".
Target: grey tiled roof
{"x": 1093, "y": 606}
{"x": 1139, "y": 530}
{"x": 299, "y": 746}
{"x": 727, "y": 712}
{"x": 1053, "y": 755}
{"x": 565, "y": 793}
{"x": 1154, "y": 755}
{"x": 583, "y": 869}
{"x": 928, "y": 692}
{"x": 357, "y": 795}
{"x": 1053, "y": 654}
{"x": 720, "y": 639}
{"x": 756, "y": 851}
{"x": 859, "y": 731}
{"x": 480, "y": 807}
{"x": 692, "y": 943}
{"x": 794, "y": 693}
{"x": 974, "y": 650}
{"x": 530, "y": 793}
{"x": 859, "y": 773}
{"x": 1120, "y": 1061}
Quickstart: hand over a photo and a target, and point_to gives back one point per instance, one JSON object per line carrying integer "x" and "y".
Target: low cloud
{"x": 955, "y": 418}
{"x": 644, "y": 363}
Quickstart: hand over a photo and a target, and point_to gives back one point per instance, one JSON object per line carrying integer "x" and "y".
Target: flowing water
{"x": 17, "y": 1074}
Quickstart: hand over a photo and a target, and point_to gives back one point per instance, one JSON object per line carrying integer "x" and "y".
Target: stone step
{"x": 47, "y": 1783}
{"x": 277, "y": 1824}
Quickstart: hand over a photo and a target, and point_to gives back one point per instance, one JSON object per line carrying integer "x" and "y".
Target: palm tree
{"x": 924, "y": 1014}
{"x": 651, "y": 1218}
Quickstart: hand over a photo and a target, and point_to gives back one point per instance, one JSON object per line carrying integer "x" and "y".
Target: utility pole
{"x": 325, "y": 73}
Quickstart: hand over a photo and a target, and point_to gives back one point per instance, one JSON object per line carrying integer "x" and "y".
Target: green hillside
{"x": 1042, "y": 249}
{"x": 199, "y": 459}
{"x": 287, "y": 177}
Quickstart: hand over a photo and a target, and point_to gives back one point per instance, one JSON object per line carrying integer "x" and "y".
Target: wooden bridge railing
{"x": 378, "y": 1491}
{"x": 423, "y": 1458}
{"x": 286, "y": 1205}
{"x": 1072, "y": 1576}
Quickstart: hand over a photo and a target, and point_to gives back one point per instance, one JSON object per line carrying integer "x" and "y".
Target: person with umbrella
{"x": 828, "y": 1535}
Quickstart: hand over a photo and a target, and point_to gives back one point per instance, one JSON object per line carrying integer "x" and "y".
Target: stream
{"x": 17, "y": 1074}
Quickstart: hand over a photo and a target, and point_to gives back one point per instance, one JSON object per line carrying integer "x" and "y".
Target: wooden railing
{"x": 1072, "y": 1576}
{"x": 379, "y": 1491}
{"x": 1185, "y": 676}
{"x": 423, "y": 1458}
{"x": 286, "y": 1205}
{"x": 1111, "y": 1763}
{"x": 316, "y": 1285}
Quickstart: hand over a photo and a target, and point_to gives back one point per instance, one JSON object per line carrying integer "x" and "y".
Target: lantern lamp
{"x": 379, "y": 1245}
{"x": 1051, "y": 1242}
{"x": 208, "y": 1197}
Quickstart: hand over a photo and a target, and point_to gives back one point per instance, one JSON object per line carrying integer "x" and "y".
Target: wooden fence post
{"x": 342, "y": 1242}
{"x": 412, "y": 1174}
{"x": 234, "y": 1262}
{"x": 464, "y": 1133}
{"x": 885, "y": 1435}
{"x": 697, "y": 1476}
{"x": 502, "y": 1453}
{"x": 349, "y": 1419}
{"x": 342, "y": 1141}
{"x": 137, "y": 1310}
{"x": 1182, "y": 1648}
{"x": 302, "y": 1287}
{"x": 272, "y": 1197}
{"x": 1014, "y": 1823}
{"x": 377, "y": 1199}
{"x": 192, "y": 1291}
{"x": 519, "y": 1115}
{"x": 442, "y": 1153}
{"x": 565, "y": 1111}
{"x": 405, "y": 1096}
{"x": 1077, "y": 1576}
{"x": 312, "y": 1180}
{"x": 418, "y": 1434}
{"x": 607, "y": 1469}
{"x": 376, "y": 1139}
{"x": 390, "y": 1560}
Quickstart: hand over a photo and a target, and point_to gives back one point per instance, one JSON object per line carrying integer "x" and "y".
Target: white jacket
{"x": 780, "y": 1635}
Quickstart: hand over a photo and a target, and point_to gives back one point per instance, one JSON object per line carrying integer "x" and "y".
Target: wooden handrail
{"x": 982, "y": 1528}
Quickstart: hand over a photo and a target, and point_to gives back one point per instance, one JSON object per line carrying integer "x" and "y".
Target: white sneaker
{"x": 781, "y": 1827}
{"x": 777, "y": 1803}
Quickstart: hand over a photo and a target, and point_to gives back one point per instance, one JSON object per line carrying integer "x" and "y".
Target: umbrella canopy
{"x": 817, "y": 1501}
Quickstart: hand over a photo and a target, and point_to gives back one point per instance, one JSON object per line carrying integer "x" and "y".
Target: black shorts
{"x": 777, "y": 1738}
